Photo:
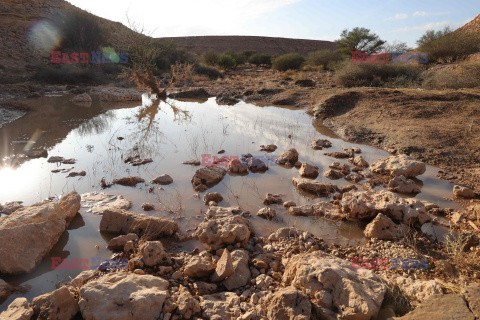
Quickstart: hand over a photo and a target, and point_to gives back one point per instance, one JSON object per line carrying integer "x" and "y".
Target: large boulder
{"x": 207, "y": 177}
{"x": 57, "y": 305}
{"x": 401, "y": 165}
{"x": 441, "y": 307}
{"x": 223, "y": 229}
{"x": 289, "y": 304}
{"x": 314, "y": 187}
{"x": 29, "y": 233}
{"x": 19, "y": 309}
{"x": 319, "y": 209}
{"x": 116, "y": 221}
{"x": 365, "y": 205}
{"x": 123, "y": 296}
{"x": 336, "y": 290}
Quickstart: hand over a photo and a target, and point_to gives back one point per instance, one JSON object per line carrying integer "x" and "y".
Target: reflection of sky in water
{"x": 196, "y": 129}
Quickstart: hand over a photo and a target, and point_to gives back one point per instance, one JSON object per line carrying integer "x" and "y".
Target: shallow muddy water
{"x": 169, "y": 133}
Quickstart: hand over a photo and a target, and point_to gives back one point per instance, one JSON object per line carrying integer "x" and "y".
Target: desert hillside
{"x": 262, "y": 44}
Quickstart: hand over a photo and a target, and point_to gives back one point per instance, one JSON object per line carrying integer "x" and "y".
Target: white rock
{"x": 398, "y": 166}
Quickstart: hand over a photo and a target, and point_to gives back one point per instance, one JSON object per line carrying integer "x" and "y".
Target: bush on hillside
{"x": 451, "y": 48}
{"x": 378, "y": 74}
{"x": 226, "y": 61}
{"x": 452, "y": 76}
{"x": 68, "y": 74}
{"x": 325, "y": 58}
{"x": 289, "y": 61}
{"x": 259, "y": 59}
{"x": 210, "y": 72}
{"x": 80, "y": 30}
{"x": 210, "y": 58}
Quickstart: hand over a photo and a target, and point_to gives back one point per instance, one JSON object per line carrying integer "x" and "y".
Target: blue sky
{"x": 392, "y": 20}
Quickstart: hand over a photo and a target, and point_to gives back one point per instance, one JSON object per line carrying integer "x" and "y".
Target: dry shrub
{"x": 452, "y": 47}
{"x": 453, "y": 76}
{"x": 465, "y": 261}
{"x": 144, "y": 78}
{"x": 397, "y": 299}
{"x": 378, "y": 74}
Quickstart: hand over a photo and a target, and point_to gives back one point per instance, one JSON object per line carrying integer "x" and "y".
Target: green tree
{"x": 359, "y": 39}
{"x": 431, "y": 35}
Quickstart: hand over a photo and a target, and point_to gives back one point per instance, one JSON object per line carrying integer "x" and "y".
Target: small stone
{"x": 308, "y": 171}
{"x": 289, "y": 204}
{"x": 164, "y": 179}
{"x": 148, "y": 206}
{"x": 463, "y": 192}
{"x": 267, "y": 213}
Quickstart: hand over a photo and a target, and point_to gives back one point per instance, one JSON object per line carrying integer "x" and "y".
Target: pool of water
{"x": 168, "y": 132}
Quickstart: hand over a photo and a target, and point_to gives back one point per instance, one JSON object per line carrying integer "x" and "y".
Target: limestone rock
{"x": 472, "y": 295}
{"x": 19, "y": 309}
{"x": 241, "y": 272}
{"x": 268, "y": 148}
{"x": 360, "y": 205}
{"x": 5, "y": 290}
{"x": 199, "y": 267}
{"x": 289, "y": 157}
{"x": 212, "y": 196}
{"x": 333, "y": 174}
{"x": 441, "y": 307}
{"x": 289, "y": 304}
{"x": 463, "y": 192}
{"x": 319, "y": 209}
{"x": 224, "y": 267}
{"x": 152, "y": 253}
{"x": 420, "y": 289}
{"x": 164, "y": 179}
{"x": 401, "y": 165}
{"x": 128, "y": 181}
{"x": 359, "y": 161}
{"x": 272, "y": 198}
{"x": 223, "y": 230}
{"x": 345, "y": 293}
{"x": 314, "y": 187}
{"x": 207, "y": 177}
{"x": 267, "y": 213}
{"x": 123, "y": 222}
{"x": 118, "y": 243}
{"x": 123, "y": 296}
{"x": 382, "y": 227}
{"x": 29, "y": 233}
{"x": 319, "y": 144}
{"x": 236, "y": 166}
{"x": 221, "y": 306}
{"x": 401, "y": 184}
{"x": 308, "y": 171}
{"x": 289, "y": 204}
{"x": 57, "y": 305}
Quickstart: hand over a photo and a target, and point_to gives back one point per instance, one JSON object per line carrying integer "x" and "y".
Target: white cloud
{"x": 427, "y": 26}
{"x": 398, "y": 16}
{"x": 185, "y": 17}
{"x": 426, "y": 14}
{"x": 419, "y": 14}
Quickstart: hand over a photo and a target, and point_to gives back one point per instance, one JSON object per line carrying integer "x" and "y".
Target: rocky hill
{"x": 471, "y": 27}
{"x": 262, "y": 44}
